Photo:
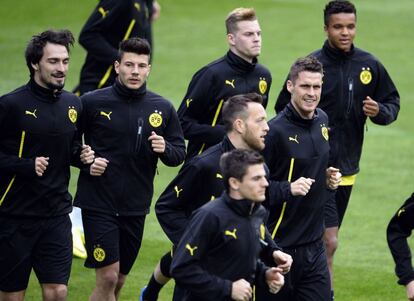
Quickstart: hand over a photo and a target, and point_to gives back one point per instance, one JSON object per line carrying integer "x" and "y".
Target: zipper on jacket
{"x": 350, "y": 94}
{"x": 138, "y": 140}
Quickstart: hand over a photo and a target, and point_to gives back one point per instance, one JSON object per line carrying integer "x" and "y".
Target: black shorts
{"x": 44, "y": 244}
{"x": 308, "y": 279}
{"x": 110, "y": 239}
{"x": 336, "y": 206}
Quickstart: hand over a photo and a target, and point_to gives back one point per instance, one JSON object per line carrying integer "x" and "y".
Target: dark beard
{"x": 55, "y": 87}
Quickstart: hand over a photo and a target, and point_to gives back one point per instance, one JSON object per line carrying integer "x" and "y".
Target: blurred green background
{"x": 190, "y": 34}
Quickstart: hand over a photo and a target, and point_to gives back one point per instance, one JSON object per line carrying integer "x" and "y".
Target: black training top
{"x": 349, "y": 77}
{"x": 210, "y": 87}
{"x": 221, "y": 245}
{"x": 37, "y": 122}
{"x": 398, "y": 231}
{"x": 111, "y": 22}
{"x": 117, "y": 123}
{"x": 297, "y": 147}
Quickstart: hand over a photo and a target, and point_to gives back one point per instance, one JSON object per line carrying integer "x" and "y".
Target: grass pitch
{"x": 190, "y": 34}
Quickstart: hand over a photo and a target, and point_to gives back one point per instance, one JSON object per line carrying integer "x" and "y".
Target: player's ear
{"x": 234, "y": 184}
{"x": 238, "y": 125}
{"x": 289, "y": 85}
{"x": 35, "y": 66}
{"x": 230, "y": 39}
{"x": 116, "y": 66}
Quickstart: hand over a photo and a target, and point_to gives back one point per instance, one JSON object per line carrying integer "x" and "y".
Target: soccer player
{"x": 111, "y": 22}
{"x": 356, "y": 86}
{"x": 200, "y": 181}
{"x": 218, "y": 256}
{"x": 38, "y": 142}
{"x": 398, "y": 231}
{"x": 297, "y": 147}
{"x": 129, "y": 128}
{"x": 238, "y": 72}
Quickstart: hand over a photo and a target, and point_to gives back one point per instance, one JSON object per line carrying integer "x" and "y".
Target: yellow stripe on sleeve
{"x": 279, "y": 221}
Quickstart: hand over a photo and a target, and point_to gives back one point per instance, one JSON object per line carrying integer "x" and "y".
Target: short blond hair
{"x": 237, "y": 15}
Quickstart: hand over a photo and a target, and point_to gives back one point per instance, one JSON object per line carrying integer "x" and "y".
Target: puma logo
{"x": 294, "y": 139}
{"x": 177, "y": 191}
{"x": 190, "y": 249}
{"x": 230, "y": 83}
{"x": 188, "y": 101}
{"x": 103, "y": 11}
{"x": 27, "y": 112}
{"x": 107, "y": 115}
{"x": 219, "y": 176}
{"x": 402, "y": 210}
{"x": 231, "y": 233}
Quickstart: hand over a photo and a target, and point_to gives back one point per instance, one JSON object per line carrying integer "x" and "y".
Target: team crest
{"x": 98, "y": 254}
{"x": 72, "y": 114}
{"x": 325, "y": 133}
{"x": 365, "y": 76}
{"x": 262, "y": 231}
{"x": 155, "y": 119}
{"x": 262, "y": 85}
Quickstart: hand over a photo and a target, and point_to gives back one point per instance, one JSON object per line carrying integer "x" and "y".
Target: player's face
{"x": 306, "y": 93}
{"x": 341, "y": 31}
{"x": 254, "y": 183}
{"x": 256, "y": 127}
{"x": 246, "y": 42}
{"x": 51, "y": 70}
{"x": 133, "y": 69}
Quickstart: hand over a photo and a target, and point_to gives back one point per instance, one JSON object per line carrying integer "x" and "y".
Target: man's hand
{"x": 370, "y": 107}
{"x": 41, "y": 164}
{"x": 301, "y": 186}
{"x": 274, "y": 280}
{"x": 333, "y": 178}
{"x": 283, "y": 261}
{"x": 409, "y": 288}
{"x": 98, "y": 167}
{"x": 241, "y": 290}
{"x": 87, "y": 154}
{"x": 157, "y": 143}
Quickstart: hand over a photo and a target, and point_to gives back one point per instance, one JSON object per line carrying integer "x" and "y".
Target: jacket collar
{"x": 226, "y": 145}
{"x": 239, "y": 64}
{"x": 337, "y": 54}
{"x": 129, "y": 94}
{"x": 43, "y": 94}
{"x": 241, "y": 207}
{"x": 294, "y": 116}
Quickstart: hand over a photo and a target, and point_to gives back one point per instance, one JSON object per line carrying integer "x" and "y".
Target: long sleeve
{"x": 173, "y": 205}
{"x": 189, "y": 259}
{"x": 92, "y": 36}
{"x": 199, "y": 96}
{"x": 14, "y": 163}
{"x": 398, "y": 230}
{"x": 174, "y": 142}
{"x": 277, "y": 191}
{"x": 387, "y": 97}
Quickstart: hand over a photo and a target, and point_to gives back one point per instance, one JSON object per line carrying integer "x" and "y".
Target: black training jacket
{"x": 198, "y": 182}
{"x": 221, "y": 245}
{"x": 348, "y": 79}
{"x": 398, "y": 231}
{"x": 296, "y": 148}
{"x": 200, "y": 110}
{"x": 116, "y": 123}
{"x": 36, "y": 122}
{"x": 111, "y": 22}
